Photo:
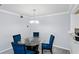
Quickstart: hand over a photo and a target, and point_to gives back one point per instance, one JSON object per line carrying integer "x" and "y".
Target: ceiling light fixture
{"x": 21, "y": 16}
{"x": 0, "y": 4}
{"x": 34, "y": 17}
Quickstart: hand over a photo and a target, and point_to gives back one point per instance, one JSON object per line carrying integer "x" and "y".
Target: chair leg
{"x": 42, "y": 51}
{"x": 51, "y": 51}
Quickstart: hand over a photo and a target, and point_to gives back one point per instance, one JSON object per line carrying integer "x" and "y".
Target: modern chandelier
{"x": 34, "y": 21}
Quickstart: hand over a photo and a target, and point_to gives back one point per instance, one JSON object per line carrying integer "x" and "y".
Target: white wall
{"x": 74, "y": 22}
{"x": 58, "y": 25}
{"x": 11, "y": 25}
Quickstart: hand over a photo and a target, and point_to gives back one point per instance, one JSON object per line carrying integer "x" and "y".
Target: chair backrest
{"x": 52, "y": 37}
{"x": 18, "y": 48}
{"x": 35, "y": 34}
{"x": 16, "y": 38}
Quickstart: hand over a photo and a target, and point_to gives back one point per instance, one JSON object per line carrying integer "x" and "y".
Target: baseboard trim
{"x": 5, "y": 50}
{"x": 61, "y": 47}
{"x": 54, "y": 46}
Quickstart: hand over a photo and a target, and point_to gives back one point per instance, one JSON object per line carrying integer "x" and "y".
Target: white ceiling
{"x": 41, "y": 9}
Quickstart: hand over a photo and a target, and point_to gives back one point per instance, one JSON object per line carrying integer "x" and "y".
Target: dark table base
{"x": 33, "y": 48}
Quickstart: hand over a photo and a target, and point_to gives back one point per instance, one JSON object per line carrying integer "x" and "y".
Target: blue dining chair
{"x": 20, "y": 49}
{"x": 36, "y": 34}
{"x": 17, "y": 38}
{"x": 48, "y": 46}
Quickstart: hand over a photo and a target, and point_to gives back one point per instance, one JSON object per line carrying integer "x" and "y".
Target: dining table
{"x": 31, "y": 43}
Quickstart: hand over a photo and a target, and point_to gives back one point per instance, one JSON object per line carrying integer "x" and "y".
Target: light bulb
{"x": 31, "y": 21}
{"x": 37, "y": 22}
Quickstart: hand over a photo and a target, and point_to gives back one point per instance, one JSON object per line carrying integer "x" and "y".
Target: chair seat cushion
{"x": 46, "y": 46}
